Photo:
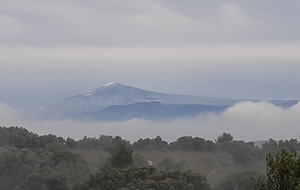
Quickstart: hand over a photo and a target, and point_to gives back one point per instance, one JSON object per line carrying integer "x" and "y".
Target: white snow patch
{"x": 110, "y": 83}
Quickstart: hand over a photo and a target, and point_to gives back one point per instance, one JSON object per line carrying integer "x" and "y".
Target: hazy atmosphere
{"x": 52, "y": 50}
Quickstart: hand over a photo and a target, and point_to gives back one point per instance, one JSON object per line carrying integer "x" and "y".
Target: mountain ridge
{"x": 99, "y": 103}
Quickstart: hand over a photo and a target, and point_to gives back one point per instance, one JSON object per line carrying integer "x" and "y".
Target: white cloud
{"x": 261, "y": 119}
{"x": 246, "y": 121}
{"x": 149, "y": 22}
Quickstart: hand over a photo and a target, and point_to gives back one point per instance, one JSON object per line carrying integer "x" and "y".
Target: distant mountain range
{"x": 119, "y": 102}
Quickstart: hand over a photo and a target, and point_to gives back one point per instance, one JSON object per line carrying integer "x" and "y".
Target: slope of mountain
{"x": 115, "y": 101}
{"x": 149, "y": 111}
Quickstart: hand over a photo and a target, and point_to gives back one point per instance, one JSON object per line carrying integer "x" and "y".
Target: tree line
{"x": 31, "y": 161}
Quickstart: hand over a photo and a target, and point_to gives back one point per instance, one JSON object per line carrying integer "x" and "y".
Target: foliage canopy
{"x": 147, "y": 178}
{"x": 283, "y": 172}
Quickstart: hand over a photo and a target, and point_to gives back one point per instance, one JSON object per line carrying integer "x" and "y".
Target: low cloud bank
{"x": 245, "y": 120}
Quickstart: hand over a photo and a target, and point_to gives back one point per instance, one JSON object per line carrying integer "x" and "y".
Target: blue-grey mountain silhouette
{"x": 119, "y": 102}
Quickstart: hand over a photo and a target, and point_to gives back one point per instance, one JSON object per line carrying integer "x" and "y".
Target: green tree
{"x": 70, "y": 142}
{"x": 148, "y": 178}
{"x": 283, "y": 172}
{"x": 29, "y": 161}
{"x": 150, "y": 144}
{"x": 49, "y": 181}
{"x": 225, "y": 137}
{"x": 169, "y": 164}
{"x": 121, "y": 153}
{"x": 241, "y": 180}
{"x": 270, "y": 146}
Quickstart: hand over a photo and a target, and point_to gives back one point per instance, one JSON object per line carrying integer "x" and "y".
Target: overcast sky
{"x": 54, "y": 49}
{"x": 50, "y": 50}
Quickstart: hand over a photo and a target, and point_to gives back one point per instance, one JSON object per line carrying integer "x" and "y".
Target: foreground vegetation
{"x": 283, "y": 172}
{"x": 29, "y": 161}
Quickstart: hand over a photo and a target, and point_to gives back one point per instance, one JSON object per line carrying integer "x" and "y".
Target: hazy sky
{"x": 50, "y": 50}
{"x": 53, "y": 49}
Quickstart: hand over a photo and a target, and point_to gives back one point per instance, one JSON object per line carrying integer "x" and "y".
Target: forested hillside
{"x": 29, "y": 161}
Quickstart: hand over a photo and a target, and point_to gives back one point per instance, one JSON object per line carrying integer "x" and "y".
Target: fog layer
{"x": 247, "y": 121}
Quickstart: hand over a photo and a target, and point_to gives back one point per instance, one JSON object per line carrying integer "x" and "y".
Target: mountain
{"x": 151, "y": 111}
{"x": 115, "y": 102}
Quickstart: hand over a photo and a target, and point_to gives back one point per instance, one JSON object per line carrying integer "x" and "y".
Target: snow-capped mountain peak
{"x": 110, "y": 84}
{"x": 130, "y": 98}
